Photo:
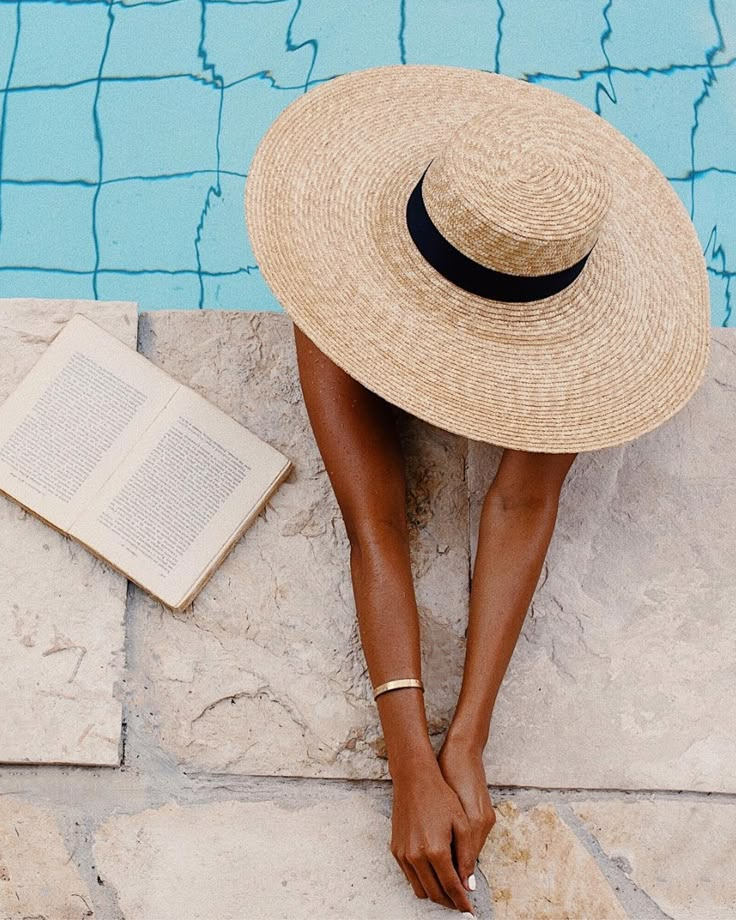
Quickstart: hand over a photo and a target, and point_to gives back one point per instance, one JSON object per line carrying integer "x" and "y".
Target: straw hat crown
{"x": 523, "y": 196}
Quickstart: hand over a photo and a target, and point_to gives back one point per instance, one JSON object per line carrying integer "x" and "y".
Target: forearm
{"x": 512, "y": 546}
{"x": 388, "y": 621}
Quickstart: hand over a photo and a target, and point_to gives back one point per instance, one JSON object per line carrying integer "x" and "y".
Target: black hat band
{"x": 472, "y": 276}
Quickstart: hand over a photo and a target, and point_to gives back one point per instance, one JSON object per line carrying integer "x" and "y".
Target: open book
{"x": 151, "y": 477}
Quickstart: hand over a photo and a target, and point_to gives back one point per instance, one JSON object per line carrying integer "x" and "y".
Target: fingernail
{"x": 471, "y": 882}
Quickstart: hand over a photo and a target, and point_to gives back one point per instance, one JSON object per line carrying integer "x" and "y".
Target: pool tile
{"x": 159, "y": 104}
{"x": 626, "y": 651}
{"x": 38, "y": 877}
{"x": 264, "y": 674}
{"x": 348, "y": 36}
{"x": 661, "y": 33}
{"x": 61, "y": 636}
{"x": 715, "y": 135}
{"x": 151, "y": 224}
{"x": 656, "y": 113}
{"x": 727, "y": 21}
{"x": 229, "y": 31}
{"x": 50, "y": 134}
{"x": 47, "y": 226}
{"x": 45, "y": 284}
{"x": 723, "y": 294}
{"x": 716, "y": 231}
{"x": 434, "y": 33}
{"x": 173, "y": 122}
{"x": 60, "y": 43}
{"x": 224, "y": 244}
{"x": 560, "y": 37}
{"x": 154, "y": 40}
{"x": 8, "y": 33}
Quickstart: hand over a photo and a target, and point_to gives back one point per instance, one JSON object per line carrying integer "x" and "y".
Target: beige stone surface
{"x": 627, "y": 652}
{"x": 38, "y": 878}
{"x": 258, "y": 861}
{"x": 61, "y": 633}
{"x": 681, "y": 853}
{"x": 537, "y": 869}
{"x": 264, "y": 673}
{"x": 330, "y": 857}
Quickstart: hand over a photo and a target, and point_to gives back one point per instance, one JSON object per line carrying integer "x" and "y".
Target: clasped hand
{"x": 442, "y": 814}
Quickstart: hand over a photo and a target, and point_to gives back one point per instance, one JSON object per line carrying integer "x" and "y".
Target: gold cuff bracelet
{"x": 401, "y": 682}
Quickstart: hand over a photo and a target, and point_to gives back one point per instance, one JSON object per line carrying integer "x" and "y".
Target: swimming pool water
{"x": 126, "y": 128}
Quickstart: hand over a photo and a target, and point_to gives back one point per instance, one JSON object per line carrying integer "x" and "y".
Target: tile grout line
{"x": 79, "y": 835}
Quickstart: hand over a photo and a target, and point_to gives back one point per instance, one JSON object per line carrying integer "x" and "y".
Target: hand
{"x": 462, "y": 769}
{"x": 427, "y": 822}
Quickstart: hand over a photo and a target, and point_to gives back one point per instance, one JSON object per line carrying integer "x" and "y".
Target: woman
{"x": 444, "y": 798}
{"x": 494, "y": 258}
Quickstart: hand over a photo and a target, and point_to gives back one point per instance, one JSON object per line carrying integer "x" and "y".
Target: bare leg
{"x": 516, "y": 526}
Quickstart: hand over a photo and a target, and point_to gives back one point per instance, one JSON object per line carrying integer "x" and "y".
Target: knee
{"x": 529, "y": 480}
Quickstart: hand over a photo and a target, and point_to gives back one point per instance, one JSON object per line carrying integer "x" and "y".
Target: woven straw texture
{"x": 523, "y": 180}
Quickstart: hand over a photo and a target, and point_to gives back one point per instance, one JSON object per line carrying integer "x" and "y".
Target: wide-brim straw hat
{"x": 485, "y": 253}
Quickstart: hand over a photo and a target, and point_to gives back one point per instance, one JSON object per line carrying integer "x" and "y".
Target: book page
{"x": 188, "y": 485}
{"x": 72, "y": 418}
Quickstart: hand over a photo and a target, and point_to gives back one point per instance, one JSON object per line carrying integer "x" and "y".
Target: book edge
{"x": 206, "y": 573}
{"x": 216, "y": 561}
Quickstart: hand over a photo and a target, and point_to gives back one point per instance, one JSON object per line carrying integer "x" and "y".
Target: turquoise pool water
{"x": 126, "y": 129}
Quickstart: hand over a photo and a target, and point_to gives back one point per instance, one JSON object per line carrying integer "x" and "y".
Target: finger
{"x": 450, "y": 881}
{"x": 431, "y": 883}
{"x": 463, "y": 847}
{"x": 413, "y": 878}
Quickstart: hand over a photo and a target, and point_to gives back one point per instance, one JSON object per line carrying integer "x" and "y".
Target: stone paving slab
{"x": 329, "y": 859}
{"x": 61, "y": 633}
{"x": 682, "y": 853}
{"x": 594, "y": 859}
{"x": 537, "y": 868}
{"x": 38, "y": 878}
{"x": 256, "y": 861}
{"x": 627, "y": 652}
{"x": 264, "y": 673}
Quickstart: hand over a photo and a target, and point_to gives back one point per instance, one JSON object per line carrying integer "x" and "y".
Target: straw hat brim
{"x": 609, "y": 358}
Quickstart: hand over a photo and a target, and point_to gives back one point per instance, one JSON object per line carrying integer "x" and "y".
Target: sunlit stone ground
{"x": 226, "y": 763}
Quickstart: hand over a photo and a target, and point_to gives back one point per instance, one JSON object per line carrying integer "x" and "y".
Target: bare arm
{"x": 356, "y": 437}
{"x": 355, "y": 432}
{"x": 517, "y": 522}
{"x": 516, "y": 526}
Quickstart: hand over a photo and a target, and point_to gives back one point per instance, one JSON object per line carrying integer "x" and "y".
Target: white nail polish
{"x": 471, "y": 882}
